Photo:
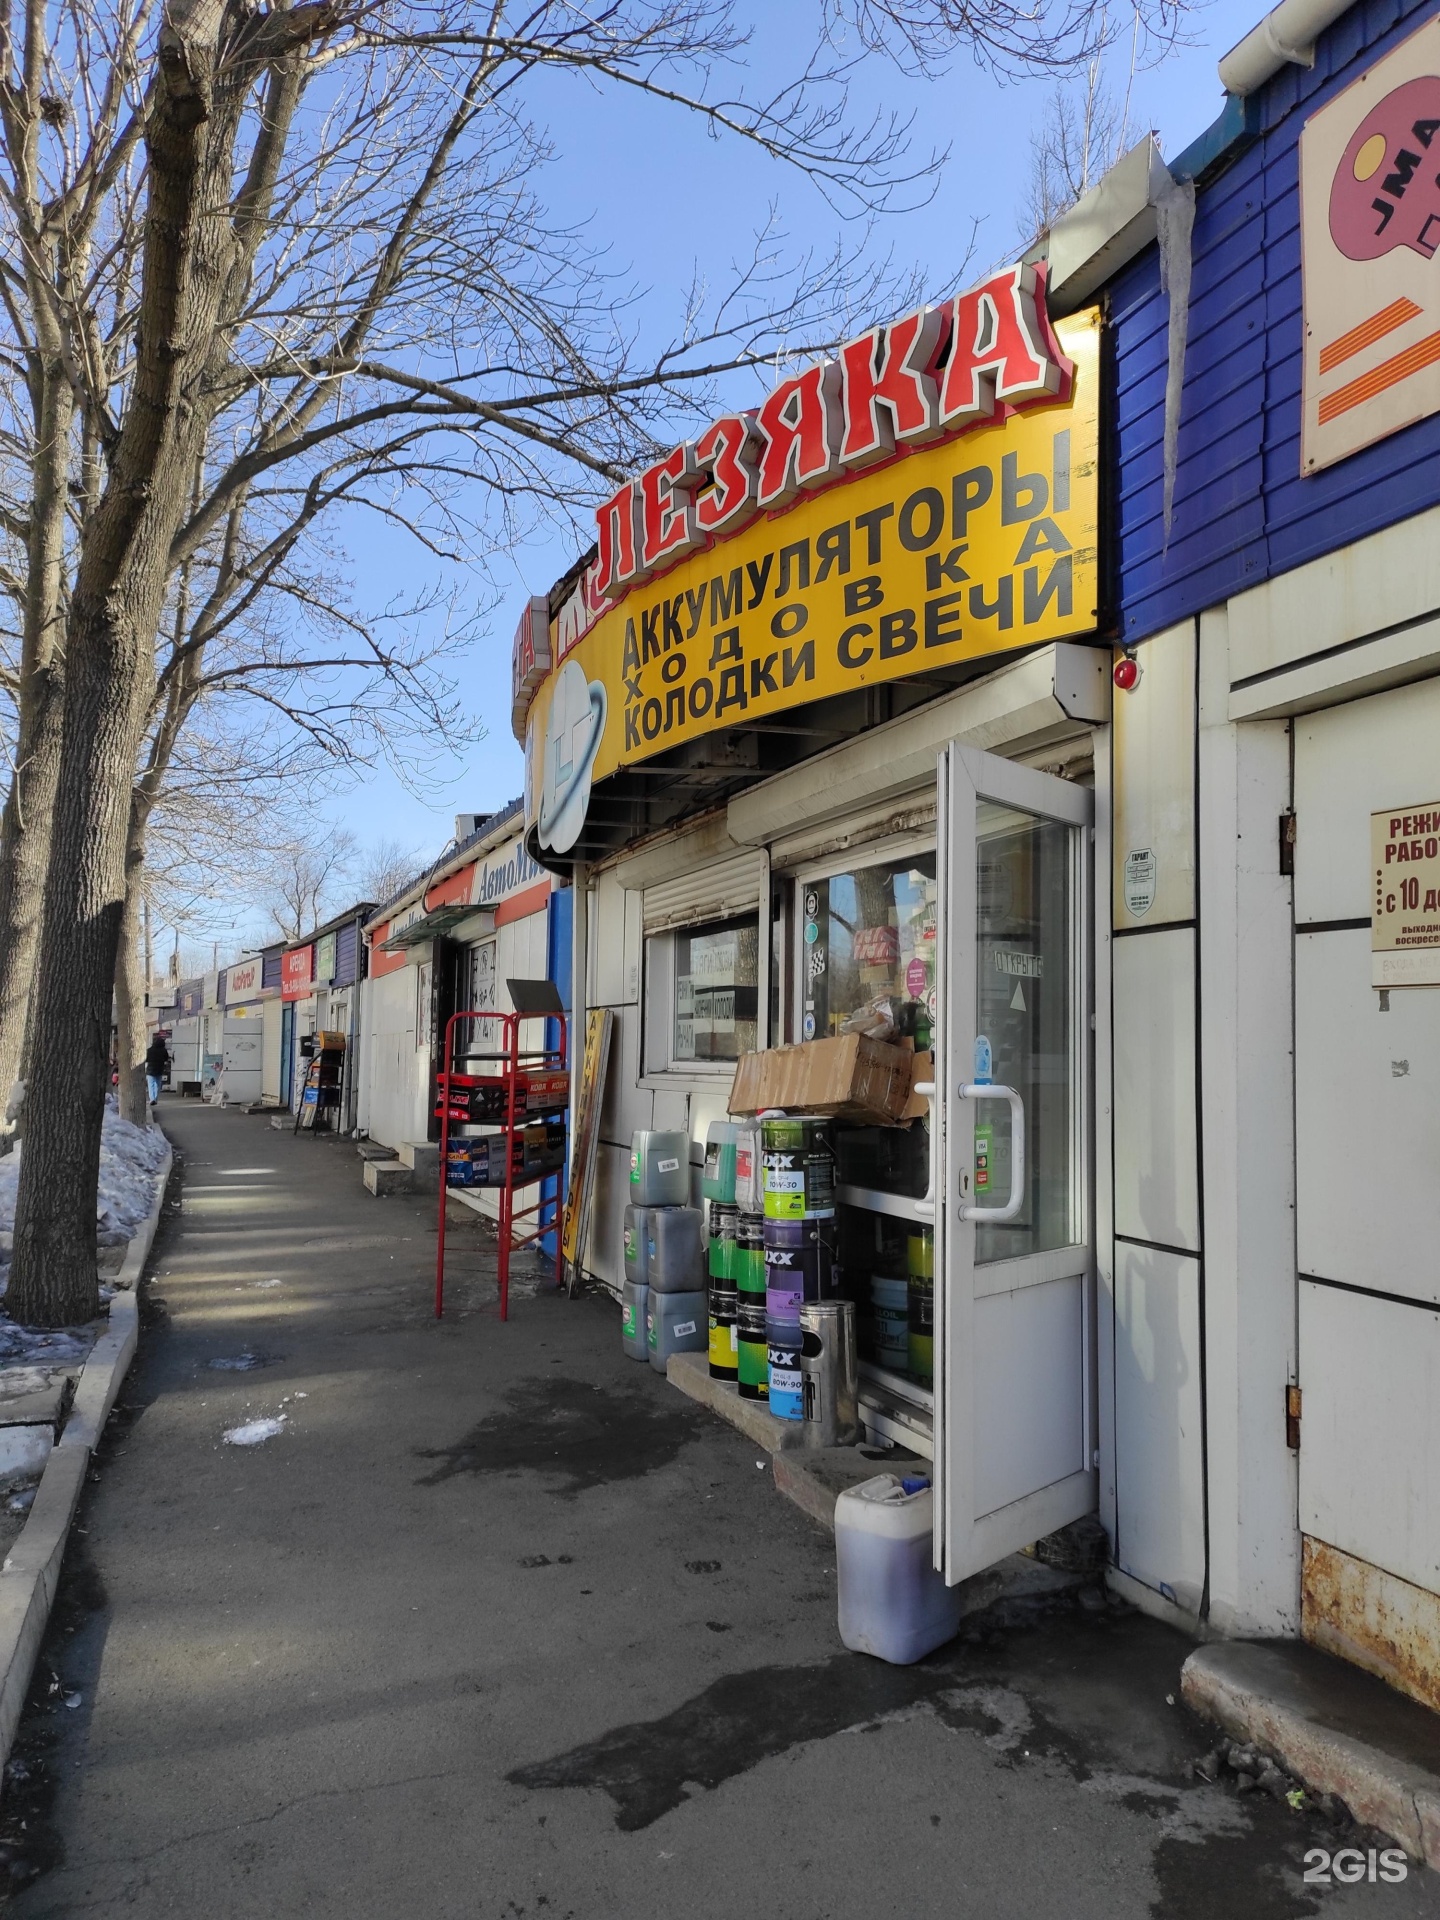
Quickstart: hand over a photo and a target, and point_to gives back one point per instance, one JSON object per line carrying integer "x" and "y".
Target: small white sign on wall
{"x": 1140, "y": 867}
{"x": 1405, "y": 900}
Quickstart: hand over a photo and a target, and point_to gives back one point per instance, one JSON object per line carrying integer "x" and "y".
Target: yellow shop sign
{"x": 975, "y": 544}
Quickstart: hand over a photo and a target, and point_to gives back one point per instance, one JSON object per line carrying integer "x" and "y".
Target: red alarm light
{"x": 1127, "y": 673}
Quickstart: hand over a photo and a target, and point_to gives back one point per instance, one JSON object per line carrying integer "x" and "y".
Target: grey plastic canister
{"x": 675, "y": 1323}
{"x": 633, "y": 1301}
{"x": 675, "y": 1248}
{"x": 659, "y": 1169}
{"x": 637, "y": 1245}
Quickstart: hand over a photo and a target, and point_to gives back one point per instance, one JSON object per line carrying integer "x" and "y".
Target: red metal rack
{"x": 514, "y": 1065}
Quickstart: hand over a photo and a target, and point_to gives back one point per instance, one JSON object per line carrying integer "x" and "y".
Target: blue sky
{"x": 665, "y": 199}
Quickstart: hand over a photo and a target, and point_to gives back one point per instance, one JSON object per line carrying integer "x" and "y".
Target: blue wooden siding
{"x": 1242, "y": 509}
{"x": 347, "y": 944}
{"x": 270, "y": 970}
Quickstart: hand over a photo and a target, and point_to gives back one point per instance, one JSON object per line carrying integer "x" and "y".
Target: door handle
{"x": 971, "y": 1090}
{"x": 926, "y": 1208}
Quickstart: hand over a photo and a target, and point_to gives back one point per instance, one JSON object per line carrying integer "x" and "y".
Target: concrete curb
{"x": 31, "y": 1571}
{"x": 1260, "y": 1694}
{"x": 690, "y": 1372}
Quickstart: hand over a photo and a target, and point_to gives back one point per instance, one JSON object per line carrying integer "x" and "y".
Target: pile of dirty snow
{"x": 130, "y": 1161}
{"x": 131, "y": 1158}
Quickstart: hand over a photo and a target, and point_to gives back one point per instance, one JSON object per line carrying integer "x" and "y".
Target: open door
{"x": 1011, "y": 1139}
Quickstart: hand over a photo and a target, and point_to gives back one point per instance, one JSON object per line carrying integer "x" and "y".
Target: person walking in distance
{"x": 157, "y": 1066}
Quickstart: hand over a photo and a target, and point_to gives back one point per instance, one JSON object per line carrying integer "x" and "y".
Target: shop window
{"x": 868, "y": 941}
{"x": 702, "y": 995}
{"x": 480, "y": 987}
{"x": 866, "y": 953}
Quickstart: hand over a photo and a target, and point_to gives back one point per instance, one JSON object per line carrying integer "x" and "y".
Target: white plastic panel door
{"x": 1014, "y": 1299}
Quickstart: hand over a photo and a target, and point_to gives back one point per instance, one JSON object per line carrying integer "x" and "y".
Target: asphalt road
{"x": 500, "y": 1625}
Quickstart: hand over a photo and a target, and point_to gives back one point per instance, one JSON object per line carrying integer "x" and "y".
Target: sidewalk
{"x": 500, "y": 1624}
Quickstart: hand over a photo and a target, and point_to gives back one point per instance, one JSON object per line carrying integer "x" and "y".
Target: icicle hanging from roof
{"x": 1175, "y": 219}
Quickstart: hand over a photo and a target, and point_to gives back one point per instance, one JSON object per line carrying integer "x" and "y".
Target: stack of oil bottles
{"x": 730, "y": 1185}
{"x": 758, "y": 1292}
{"x": 664, "y": 1309}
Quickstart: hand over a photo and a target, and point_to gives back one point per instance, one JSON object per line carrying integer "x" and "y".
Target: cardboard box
{"x": 922, "y": 1074}
{"x": 535, "y": 1151}
{"x": 850, "y": 1077}
{"x": 477, "y": 1099}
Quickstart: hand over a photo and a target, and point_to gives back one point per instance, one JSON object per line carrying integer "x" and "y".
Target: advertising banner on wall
{"x": 295, "y": 973}
{"x": 1370, "y": 226}
{"x": 243, "y": 981}
{"x": 926, "y": 499}
{"x": 505, "y": 872}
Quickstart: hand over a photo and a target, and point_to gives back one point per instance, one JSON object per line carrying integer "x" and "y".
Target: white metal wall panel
{"x": 1385, "y": 580}
{"x": 1034, "y": 1433}
{"x": 1248, "y": 1145}
{"x": 1370, "y": 1430}
{"x": 1367, "y": 1122}
{"x": 1157, "y": 1195}
{"x": 242, "y": 1041}
{"x": 398, "y": 1075}
{"x": 1367, "y": 1078}
{"x": 672, "y": 1110}
{"x": 1350, "y": 762}
{"x": 1159, "y": 1452}
{"x": 1154, "y": 795}
{"x": 1104, "y": 1107}
{"x": 1367, "y": 1084}
{"x": 720, "y": 891}
{"x": 634, "y": 949}
{"x": 521, "y": 954}
{"x": 609, "y": 907}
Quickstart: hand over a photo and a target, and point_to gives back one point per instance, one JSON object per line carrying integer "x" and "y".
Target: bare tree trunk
{"x": 53, "y": 1276}
{"x": 24, "y": 856}
{"x": 30, "y": 803}
{"x": 130, "y": 992}
{"x": 109, "y": 672}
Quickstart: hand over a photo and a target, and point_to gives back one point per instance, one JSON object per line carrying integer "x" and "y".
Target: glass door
{"x": 1014, "y": 1293}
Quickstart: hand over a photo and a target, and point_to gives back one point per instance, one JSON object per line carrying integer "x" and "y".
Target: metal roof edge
{"x": 358, "y": 909}
{"x": 493, "y": 828}
{"x": 1224, "y": 140}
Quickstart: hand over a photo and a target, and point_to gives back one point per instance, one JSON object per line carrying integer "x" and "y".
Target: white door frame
{"x": 965, "y": 1541}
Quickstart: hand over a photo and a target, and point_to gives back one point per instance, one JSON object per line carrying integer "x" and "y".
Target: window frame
{"x": 658, "y": 1063}
{"x": 871, "y": 853}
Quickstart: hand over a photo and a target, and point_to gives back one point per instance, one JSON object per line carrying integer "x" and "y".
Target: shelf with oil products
{"x": 323, "y": 1087}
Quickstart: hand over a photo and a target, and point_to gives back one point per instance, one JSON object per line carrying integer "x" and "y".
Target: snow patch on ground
{"x": 254, "y": 1433}
{"x": 130, "y": 1161}
{"x": 57, "y": 1352}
